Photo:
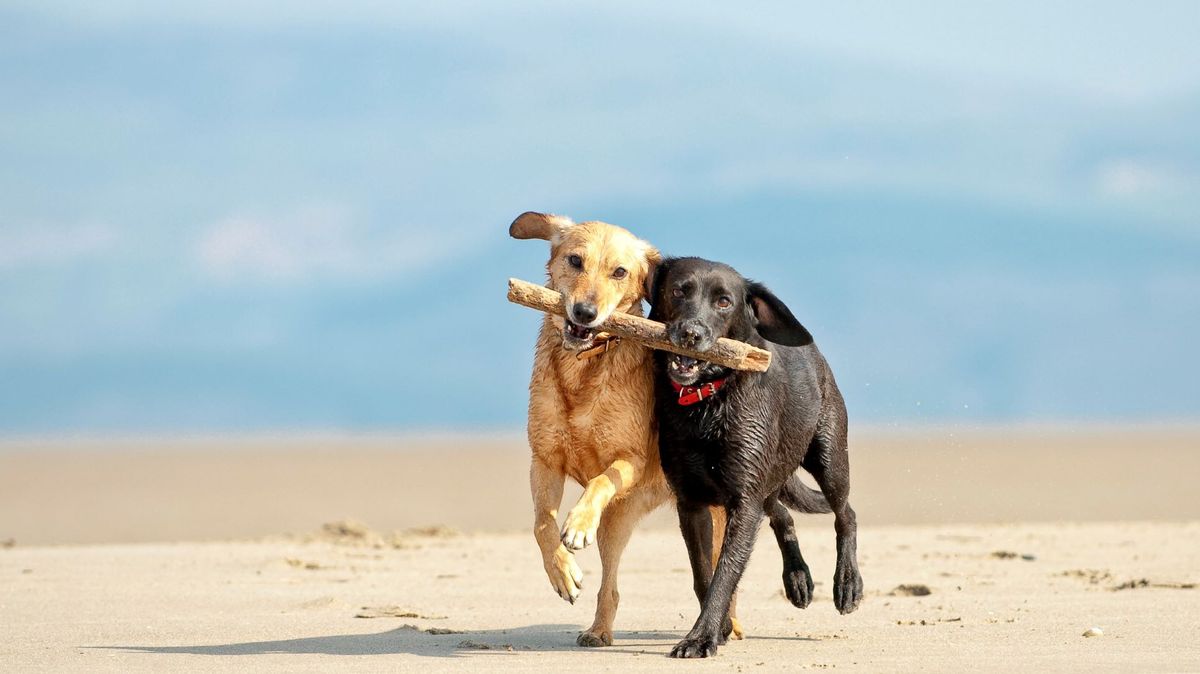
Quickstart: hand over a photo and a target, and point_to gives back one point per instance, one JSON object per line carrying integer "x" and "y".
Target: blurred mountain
{"x": 928, "y": 312}
{"x": 286, "y": 216}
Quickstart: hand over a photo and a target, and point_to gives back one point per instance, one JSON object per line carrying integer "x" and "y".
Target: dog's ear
{"x": 775, "y": 321}
{"x": 533, "y": 225}
{"x": 653, "y": 261}
{"x": 655, "y": 276}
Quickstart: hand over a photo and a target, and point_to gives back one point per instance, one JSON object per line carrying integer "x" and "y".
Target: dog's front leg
{"x": 546, "y": 483}
{"x": 736, "y": 631}
{"x": 708, "y": 632}
{"x": 579, "y": 531}
{"x": 697, "y": 528}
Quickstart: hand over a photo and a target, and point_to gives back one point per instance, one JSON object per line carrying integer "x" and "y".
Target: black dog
{"x": 735, "y": 438}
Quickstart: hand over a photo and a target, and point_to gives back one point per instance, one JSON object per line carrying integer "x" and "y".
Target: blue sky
{"x": 263, "y": 216}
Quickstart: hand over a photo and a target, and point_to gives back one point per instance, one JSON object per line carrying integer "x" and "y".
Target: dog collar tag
{"x": 690, "y": 395}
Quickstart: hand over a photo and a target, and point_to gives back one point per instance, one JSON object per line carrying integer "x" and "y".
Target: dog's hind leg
{"x": 797, "y": 580}
{"x": 616, "y": 526}
{"x": 829, "y": 462}
{"x": 736, "y": 631}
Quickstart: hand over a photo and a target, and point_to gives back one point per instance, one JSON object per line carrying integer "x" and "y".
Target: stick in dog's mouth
{"x": 727, "y": 352}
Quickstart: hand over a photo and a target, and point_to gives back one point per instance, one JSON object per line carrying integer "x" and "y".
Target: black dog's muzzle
{"x": 691, "y": 334}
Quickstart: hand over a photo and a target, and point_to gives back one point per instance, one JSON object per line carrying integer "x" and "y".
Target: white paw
{"x": 578, "y": 540}
{"x": 566, "y": 578}
{"x": 580, "y": 528}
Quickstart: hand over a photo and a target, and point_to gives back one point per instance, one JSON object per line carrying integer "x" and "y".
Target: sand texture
{"x": 322, "y": 606}
{"x": 997, "y": 550}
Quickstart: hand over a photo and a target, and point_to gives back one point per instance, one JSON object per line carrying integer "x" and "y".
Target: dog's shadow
{"x": 418, "y": 642}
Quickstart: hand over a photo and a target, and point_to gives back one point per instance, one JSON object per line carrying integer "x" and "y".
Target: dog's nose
{"x": 689, "y": 333}
{"x": 692, "y": 334}
{"x": 583, "y": 313}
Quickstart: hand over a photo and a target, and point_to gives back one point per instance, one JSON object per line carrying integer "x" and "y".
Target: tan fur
{"x": 592, "y": 420}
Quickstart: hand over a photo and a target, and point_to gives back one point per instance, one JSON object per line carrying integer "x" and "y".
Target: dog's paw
{"x": 695, "y": 647}
{"x": 580, "y": 528}
{"x": 730, "y": 629}
{"x": 594, "y": 639}
{"x": 736, "y": 631}
{"x": 847, "y": 587}
{"x": 798, "y": 586}
{"x": 565, "y": 576}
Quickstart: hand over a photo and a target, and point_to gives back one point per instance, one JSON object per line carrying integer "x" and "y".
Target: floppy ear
{"x": 653, "y": 261}
{"x": 775, "y": 321}
{"x": 532, "y": 225}
{"x": 654, "y": 277}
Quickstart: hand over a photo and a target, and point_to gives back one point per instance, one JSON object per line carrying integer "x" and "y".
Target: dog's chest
{"x": 704, "y": 458}
{"x": 589, "y": 448}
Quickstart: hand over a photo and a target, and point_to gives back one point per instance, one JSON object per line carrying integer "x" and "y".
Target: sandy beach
{"x": 982, "y": 548}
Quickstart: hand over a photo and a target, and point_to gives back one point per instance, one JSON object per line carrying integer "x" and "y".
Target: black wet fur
{"x": 741, "y": 447}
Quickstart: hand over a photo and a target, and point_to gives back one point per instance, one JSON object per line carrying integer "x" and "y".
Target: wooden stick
{"x": 727, "y": 352}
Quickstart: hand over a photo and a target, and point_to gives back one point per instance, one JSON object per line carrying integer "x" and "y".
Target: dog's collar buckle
{"x": 690, "y": 395}
{"x": 601, "y": 345}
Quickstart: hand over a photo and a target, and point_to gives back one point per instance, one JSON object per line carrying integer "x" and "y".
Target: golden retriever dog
{"x": 591, "y": 402}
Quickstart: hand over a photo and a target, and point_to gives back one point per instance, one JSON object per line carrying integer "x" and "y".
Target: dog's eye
{"x": 619, "y": 273}
{"x": 575, "y": 261}
{"x": 678, "y": 292}
{"x": 724, "y": 302}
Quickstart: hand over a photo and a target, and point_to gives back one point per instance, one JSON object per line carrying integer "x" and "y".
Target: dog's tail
{"x": 802, "y": 498}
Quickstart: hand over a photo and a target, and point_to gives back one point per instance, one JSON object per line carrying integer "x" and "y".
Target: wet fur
{"x": 741, "y": 448}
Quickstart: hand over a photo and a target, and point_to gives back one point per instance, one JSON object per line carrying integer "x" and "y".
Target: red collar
{"x": 690, "y": 395}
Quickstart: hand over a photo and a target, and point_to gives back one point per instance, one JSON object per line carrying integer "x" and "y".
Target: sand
{"x": 173, "y": 556}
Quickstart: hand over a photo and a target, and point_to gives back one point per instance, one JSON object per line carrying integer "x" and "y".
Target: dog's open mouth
{"x": 576, "y": 337}
{"x": 683, "y": 369}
